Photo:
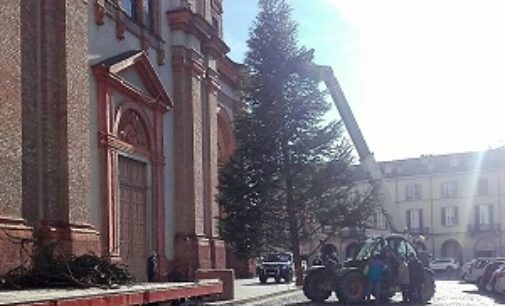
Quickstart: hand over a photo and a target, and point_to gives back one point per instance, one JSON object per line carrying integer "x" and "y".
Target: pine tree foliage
{"x": 291, "y": 169}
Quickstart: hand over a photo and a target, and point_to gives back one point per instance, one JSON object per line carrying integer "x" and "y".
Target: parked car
{"x": 444, "y": 264}
{"x": 465, "y": 269}
{"x": 476, "y": 270}
{"x": 276, "y": 265}
{"x": 495, "y": 278}
{"x": 485, "y": 279}
{"x": 497, "y": 282}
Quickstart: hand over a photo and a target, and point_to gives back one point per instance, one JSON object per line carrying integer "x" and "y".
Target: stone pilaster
{"x": 210, "y": 128}
{"x": 11, "y": 114}
{"x": 56, "y": 122}
{"x": 188, "y": 71}
{"x": 11, "y": 149}
{"x": 212, "y": 151}
{"x": 192, "y": 250}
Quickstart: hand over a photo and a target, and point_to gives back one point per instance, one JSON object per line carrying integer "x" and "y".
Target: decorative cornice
{"x": 111, "y": 68}
{"x": 185, "y": 20}
{"x": 233, "y": 72}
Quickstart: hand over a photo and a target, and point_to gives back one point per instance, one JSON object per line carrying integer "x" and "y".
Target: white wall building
{"x": 455, "y": 201}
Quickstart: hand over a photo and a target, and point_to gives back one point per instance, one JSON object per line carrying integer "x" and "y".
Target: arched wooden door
{"x": 133, "y": 216}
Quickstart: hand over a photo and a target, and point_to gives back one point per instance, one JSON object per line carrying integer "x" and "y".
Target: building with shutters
{"x": 456, "y": 201}
{"x": 116, "y": 116}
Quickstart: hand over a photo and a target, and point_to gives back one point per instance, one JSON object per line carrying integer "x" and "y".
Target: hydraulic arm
{"x": 367, "y": 159}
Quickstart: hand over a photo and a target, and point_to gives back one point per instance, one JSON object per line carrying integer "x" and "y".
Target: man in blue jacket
{"x": 375, "y": 273}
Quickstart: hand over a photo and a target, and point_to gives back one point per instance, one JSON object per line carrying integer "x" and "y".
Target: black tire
{"x": 428, "y": 289}
{"x": 352, "y": 287}
{"x": 289, "y": 278}
{"x": 263, "y": 279}
{"x": 312, "y": 286}
{"x": 278, "y": 279}
{"x": 449, "y": 269}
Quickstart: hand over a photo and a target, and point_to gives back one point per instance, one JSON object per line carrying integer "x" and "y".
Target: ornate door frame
{"x": 145, "y": 123}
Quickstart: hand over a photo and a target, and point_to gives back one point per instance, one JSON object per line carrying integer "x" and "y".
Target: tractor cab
{"x": 400, "y": 246}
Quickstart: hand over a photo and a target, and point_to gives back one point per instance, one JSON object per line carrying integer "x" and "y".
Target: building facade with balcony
{"x": 116, "y": 116}
{"x": 455, "y": 201}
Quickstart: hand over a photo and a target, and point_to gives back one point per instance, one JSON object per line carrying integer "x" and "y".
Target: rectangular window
{"x": 415, "y": 219}
{"x": 449, "y": 189}
{"x": 129, "y": 7}
{"x": 450, "y": 216}
{"x": 484, "y": 215}
{"x": 482, "y": 187}
{"x": 148, "y": 11}
{"x": 140, "y": 11}
{"x": 381, "y": 221}
{"x": 413, "y": 192}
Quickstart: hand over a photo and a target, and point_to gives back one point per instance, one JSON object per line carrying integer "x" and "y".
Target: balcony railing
{"x": 482, "y": 228}
{"x": 419, "y": 231}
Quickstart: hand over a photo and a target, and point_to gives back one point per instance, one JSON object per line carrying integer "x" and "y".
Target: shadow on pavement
{"x": 498, "y": 299}
{"x": 447, "y": 276}
{"x": 266, "y": 284}
{"x": 362, "y": 304}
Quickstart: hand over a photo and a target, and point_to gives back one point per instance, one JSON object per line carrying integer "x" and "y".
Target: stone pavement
{"x": 251, "y": 290}
{"x": 135, "y": 294}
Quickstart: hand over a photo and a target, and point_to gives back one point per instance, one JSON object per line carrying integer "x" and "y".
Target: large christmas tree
{"x": 291, "y": 170}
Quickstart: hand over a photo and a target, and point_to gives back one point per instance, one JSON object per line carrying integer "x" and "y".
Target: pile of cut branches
{"x": 48, "y": 267}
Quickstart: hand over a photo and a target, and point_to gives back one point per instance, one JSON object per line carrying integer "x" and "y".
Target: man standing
{"x": 404, "y": 279}
{"x": 374, "y": 273}
{"x": 416, "y": 275}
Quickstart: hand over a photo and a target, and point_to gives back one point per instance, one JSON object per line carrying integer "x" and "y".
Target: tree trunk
{"x": 293, "y": 232}
{"x": 293, "y": 222}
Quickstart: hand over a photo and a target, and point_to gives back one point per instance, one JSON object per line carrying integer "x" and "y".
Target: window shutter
{"x": 444, "y": 216}
{"x": 408, "y": 219}
{"x": 456, "y": 216}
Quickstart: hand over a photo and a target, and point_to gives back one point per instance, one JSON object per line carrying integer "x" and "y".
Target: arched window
{"x": 131, "y": 129}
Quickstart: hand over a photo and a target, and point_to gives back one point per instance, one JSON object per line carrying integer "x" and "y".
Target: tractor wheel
{"x": 313, "y": 286}
{"x": 428, "y": 290}
{"x": 352, "y": 287}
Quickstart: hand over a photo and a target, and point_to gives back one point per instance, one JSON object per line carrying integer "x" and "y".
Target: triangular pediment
{"x": 134, "y": 69}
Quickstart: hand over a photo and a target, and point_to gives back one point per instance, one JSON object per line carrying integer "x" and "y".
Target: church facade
{"x": 117, "y": 115}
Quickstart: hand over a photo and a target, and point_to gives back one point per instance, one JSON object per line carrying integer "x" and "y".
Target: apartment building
{"x": 454, "y": 201}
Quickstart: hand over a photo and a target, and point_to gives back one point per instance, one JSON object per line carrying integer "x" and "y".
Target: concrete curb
{"x": 252, "y": 299}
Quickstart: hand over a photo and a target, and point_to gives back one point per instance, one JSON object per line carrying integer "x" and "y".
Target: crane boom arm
{"x": 367, "y": 159}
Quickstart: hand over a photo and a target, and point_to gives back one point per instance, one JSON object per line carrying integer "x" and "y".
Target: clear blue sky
{"x": 422, "y": 76}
